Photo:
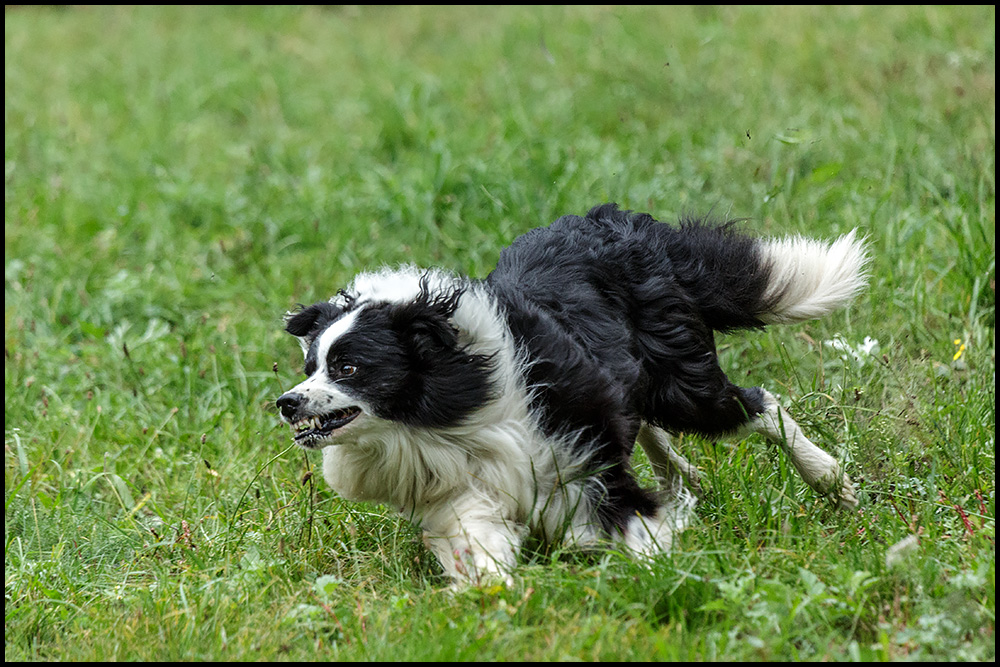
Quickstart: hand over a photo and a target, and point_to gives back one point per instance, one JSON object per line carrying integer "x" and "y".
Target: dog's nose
{"x": 289, "y": 404}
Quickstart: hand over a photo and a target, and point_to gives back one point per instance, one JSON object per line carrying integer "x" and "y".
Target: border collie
{"x": 490, "y": 410}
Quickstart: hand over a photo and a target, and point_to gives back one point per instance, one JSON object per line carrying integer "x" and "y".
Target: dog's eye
{"x": 346, "y": 370}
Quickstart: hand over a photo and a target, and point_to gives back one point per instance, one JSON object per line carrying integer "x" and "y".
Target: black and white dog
{"x": 488, "y": 410}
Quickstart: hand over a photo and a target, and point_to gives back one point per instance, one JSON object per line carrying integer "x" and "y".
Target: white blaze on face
{"x": 330, "y": 336}
{"x": 320, "y": 391}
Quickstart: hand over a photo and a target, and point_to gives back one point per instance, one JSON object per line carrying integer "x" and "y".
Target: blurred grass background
{"x": 176, "y": 178}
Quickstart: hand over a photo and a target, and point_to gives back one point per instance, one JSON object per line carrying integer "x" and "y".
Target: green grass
{"x": 175, "y": 179}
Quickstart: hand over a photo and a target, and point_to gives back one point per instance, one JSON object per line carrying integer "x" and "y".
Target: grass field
{"x": 177, "y": 178}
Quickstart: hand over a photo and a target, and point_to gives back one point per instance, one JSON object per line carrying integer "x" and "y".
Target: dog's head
{"x": 373, "y": 362}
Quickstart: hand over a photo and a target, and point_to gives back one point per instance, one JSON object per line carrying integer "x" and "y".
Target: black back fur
{"x": 622, "y": 305}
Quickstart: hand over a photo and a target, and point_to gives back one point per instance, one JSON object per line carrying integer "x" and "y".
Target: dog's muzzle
{"x": 310, "y": 430}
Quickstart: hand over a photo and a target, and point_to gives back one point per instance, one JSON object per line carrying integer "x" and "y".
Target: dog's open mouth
{"x": 312, "y": 429}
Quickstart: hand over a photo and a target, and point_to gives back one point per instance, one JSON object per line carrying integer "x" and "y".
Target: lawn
{"x": 176, "y": 179}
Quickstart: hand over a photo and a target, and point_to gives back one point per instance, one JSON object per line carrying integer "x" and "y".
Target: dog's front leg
{"x": 473, "y": 545}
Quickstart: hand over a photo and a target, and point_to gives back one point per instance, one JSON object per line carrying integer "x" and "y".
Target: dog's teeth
{"x": 307, "y": 424}
{"x": 318, "y": 425}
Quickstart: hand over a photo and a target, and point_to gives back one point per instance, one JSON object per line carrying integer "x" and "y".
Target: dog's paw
{"x": 846, "y": 497}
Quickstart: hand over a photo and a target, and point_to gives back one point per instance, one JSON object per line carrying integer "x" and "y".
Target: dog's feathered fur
{"x": 488, "y": 410}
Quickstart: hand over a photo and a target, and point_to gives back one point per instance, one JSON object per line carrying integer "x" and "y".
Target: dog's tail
{"x": 808, "y": 278}
{"x": 739, "y": 281}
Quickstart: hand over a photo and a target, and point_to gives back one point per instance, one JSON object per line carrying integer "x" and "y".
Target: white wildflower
{"x": 859, "y": 353}
{"x": 895, "y": 554}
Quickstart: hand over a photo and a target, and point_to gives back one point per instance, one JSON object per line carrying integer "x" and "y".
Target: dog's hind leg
{"x": 692, "y": 393}
{"x": 816, "y": 467}
{"x": 665, "y": 460}
{"x": 648, "y": 535}
{"x": 652, "y": 530}
{"x": 723, "y": 409}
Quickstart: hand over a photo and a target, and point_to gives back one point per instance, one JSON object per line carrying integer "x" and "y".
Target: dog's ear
{"x": 427, "y": 322}
{"x": 307, "y": 321}
{"x": 430, "y": 334}
{"x": 448, "y": 381}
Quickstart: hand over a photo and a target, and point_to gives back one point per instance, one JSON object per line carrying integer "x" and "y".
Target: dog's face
{"x": 374, "y": 363}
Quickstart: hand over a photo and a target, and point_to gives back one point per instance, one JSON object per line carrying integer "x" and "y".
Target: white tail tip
{"x": 810, "y": 278}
